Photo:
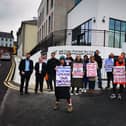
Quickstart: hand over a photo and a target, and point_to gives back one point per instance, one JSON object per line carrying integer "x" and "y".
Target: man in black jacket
{"x": 40, "y": 71}
{"x": 26, "y": 69}
{"x": 98, "y": 59}
{"x": 51, "y": 65}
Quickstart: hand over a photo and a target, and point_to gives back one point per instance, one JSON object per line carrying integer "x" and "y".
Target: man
{"x": 26, "y": 69}
{"x": 69, "y": 59}
{"x": 109, "y": 63}
{"x": 51, "y": 65}
{"x": 40, "y": 71}
{"x": 98, "y": 59}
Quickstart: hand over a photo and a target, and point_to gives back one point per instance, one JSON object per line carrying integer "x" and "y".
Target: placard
{"x": 91, "y": 70}
{"x": 63, "y": 76}
{"x": 78, "y": 70}
{"x": 119, "y": 74}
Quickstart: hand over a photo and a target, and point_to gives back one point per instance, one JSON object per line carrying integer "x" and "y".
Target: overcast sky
{"x": 12, "y": 12}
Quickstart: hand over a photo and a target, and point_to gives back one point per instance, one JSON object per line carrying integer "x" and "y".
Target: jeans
{"x": 99, "y": 78}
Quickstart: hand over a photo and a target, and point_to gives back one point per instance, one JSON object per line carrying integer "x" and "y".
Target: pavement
{"x": 37, "y": 110}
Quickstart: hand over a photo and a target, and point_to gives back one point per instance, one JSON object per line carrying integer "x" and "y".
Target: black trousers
{"x": 39, "y": 82}
{"x": 51, "y": 77}
{"x": 109, "y": 78}
{"x": 121, "y": 88}
{"x": 91, "y": 85}
{"x": 25, "y": 81}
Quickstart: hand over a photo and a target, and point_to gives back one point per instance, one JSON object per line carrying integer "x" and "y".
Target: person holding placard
{"x": 119, "y": 78}
{"x": 109, "y": 63}
{"x": 63, "y": 84}
{"x": 77, "y": 75}
{"x": 92, "y": 73}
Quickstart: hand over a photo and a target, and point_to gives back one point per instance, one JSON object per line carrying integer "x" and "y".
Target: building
{"x": 52, "y": 22}
{"x": 6, "y": 42}
{"x": 97, "y": 23}
{"x": 27, "y": 36}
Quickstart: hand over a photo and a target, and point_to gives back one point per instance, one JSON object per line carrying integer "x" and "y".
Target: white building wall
{"x": 97, "y": 9}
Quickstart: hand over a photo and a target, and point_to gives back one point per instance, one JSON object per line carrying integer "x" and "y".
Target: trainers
{"x": 76, "y": 93}
{"x": 113, "y": 96}
{"x": 119, "y": 96}
{"x": 56, "y": 107}
{"x": 69, "y": 108}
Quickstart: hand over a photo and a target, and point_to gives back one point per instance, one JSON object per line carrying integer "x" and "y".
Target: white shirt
{"x": 40, "y": 67}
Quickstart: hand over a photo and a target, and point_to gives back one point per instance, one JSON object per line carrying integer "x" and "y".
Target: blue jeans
{"x": 99, "y": 78}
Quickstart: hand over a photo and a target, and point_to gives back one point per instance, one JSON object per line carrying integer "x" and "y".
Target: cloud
{"x": 12, "y": 12}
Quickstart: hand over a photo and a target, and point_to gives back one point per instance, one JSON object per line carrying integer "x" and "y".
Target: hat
{"x": 62, "y": 58}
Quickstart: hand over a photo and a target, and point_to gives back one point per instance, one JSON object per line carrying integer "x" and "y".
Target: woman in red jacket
{"x": 120, "y": 62}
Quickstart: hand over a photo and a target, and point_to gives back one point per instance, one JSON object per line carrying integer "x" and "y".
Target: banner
{"x": 119, "y": 75}
{"x": 91, "y": 70}
{"x": 78, "y": 70}
{"x": 63, "y": 76}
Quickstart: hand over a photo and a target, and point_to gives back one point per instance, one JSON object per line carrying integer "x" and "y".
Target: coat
{"x": 43, "y": 69}
{"x": 22, "y": 66}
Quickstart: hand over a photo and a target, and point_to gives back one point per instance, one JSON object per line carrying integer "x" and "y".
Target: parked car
{"x": 5, "y": 56}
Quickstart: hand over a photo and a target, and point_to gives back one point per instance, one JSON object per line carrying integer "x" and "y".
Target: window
{"x": 6, "y": 39}
{"x": 2, "y": 39}
{"x": 82, "y": 35}
{"x": 51, "y": 3}
{"x": 47, "y": 7}
{"x": 117, "y": 33}
{"x": 49, "y": 26}
{"x": 51, "y": 21}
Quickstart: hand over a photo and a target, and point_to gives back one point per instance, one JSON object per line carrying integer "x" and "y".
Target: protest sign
{"x": 91, "y": 70}
{"x": 77, "y": 70}
{"x": 63, "y": 76}
{"x": 119, "y": 75}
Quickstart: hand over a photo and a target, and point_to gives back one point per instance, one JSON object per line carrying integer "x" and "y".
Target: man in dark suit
{"x": 40, "y": 71}
{"x": 26, "y": 69}
{"x": 51, "y": 65}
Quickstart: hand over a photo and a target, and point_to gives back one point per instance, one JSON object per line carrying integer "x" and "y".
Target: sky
{"x": 13, "y": 12}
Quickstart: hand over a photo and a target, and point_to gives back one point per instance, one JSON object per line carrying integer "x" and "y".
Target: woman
{"x": 63, "y": 92}
{"x": 92, "y": 78}
{"x": 77, "y": 81}
{"x": 120, "y": 62}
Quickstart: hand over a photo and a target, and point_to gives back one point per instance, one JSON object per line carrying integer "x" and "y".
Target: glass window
{"x": 51, "y": 3}
{"x": 123, "y": 27}
{"x": 82, "y": 33}
{"x": 117, "y": 26}
{"x": 111, "y": 24}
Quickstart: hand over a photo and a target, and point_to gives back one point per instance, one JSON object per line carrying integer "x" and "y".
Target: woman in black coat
{"x": 63, "y": 92}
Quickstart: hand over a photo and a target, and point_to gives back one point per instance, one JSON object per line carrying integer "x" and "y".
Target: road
{"x": 37, "y": 110}
{"x": 4, "y": 69}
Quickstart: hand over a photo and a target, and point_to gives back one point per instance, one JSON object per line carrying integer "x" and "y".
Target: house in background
{"x": 27, "y": 37}
{"x": 6, "y": 43}
{"x": 52, "y": 22}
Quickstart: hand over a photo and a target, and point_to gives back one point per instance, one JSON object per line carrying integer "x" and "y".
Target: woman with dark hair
{"x": 77, "y": 81}
{"x": 63, "y": 91}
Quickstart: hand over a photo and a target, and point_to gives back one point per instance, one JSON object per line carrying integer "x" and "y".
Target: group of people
{"x": 83, "y": 81}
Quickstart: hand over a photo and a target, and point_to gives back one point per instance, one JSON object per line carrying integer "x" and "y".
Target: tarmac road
{"x": 4, "y": 69}
{"x": 37, "y": 110}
